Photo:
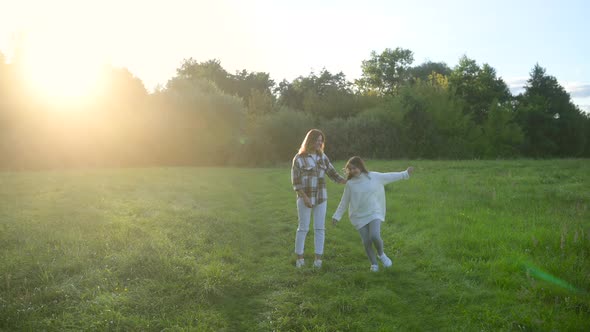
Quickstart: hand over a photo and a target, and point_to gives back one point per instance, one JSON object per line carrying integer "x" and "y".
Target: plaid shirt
{"x": 308, "y": 175}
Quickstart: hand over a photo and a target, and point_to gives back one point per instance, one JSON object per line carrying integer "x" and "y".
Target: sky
{"x": 288, "y": 39}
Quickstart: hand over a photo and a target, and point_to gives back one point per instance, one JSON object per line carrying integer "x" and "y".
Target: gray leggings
{"x": 371, "y": 234}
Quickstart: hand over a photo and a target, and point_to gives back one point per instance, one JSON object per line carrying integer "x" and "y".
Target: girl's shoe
{"x": 385, "y": 260}
{"x": 299, "y": 263}
{"x": 317, "y": 263}
{"x": 374, "y": 268}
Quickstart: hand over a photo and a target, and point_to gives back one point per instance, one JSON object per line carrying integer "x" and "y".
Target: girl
{"x": 364, "y": 197}
{"x": 309, "y": 167}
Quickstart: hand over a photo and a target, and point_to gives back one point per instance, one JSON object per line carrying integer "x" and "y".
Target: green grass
{"x": 477, "y": 246}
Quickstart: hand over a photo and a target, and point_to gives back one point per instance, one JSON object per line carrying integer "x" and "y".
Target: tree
{"x": 552, "y": 124}
{"x": 5, "y": 119}
{"x": 210, "y": 70}
{"x": 200, "y": 125}
{"x": 479, "y": 87}
{"x": 242, "y": 84}
{"x": 121, "y": 89}
{"x": 260, "y": 103}
{"x": 325, "y": 95}
{"x": 3, "y": 81}
{"x": 587, "y": 133}
{"x": 274, "y": 137}
{"x": 423, "y": 71}
{"x": 385, "y": 73}
{"x": 435, "y": 124}
{"x": 502, "y": 136}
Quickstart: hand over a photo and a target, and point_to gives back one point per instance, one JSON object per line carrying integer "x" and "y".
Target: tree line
{"x": 205, "y": 115}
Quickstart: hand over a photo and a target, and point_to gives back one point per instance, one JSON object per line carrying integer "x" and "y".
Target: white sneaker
{"x": 299, "y": 263}
{"x": 385, "y": 260}
{"x": 317, "y": 263}
{"x": 374, "y": 268}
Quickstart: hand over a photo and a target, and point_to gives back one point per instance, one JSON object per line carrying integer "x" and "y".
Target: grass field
{"x": 477, "y": 246}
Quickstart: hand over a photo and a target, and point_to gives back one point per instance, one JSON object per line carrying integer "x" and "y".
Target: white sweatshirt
{"x": 364, "y": 197}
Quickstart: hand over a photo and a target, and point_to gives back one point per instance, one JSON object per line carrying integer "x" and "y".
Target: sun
{"x": 61, "y": 68}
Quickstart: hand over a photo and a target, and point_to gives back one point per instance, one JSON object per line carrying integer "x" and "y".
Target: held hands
{"x": 410, "y": 170}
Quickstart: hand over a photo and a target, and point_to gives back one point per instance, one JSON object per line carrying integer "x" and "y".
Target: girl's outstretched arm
{"x": 386, "y": 178}
{"x": 343, "y": 206}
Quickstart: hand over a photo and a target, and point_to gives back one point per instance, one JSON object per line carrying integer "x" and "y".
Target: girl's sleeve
{"x": 296, "y": 175}
{"x": 386, "y": 178}
{"x": 331, "y": 171}
{"x": 344, "y": 201}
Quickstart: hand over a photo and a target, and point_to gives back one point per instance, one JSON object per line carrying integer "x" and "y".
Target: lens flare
{"x": 542, "y": 275}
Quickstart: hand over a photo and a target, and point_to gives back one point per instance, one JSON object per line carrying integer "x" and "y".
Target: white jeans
{"x": 319, "y": 225}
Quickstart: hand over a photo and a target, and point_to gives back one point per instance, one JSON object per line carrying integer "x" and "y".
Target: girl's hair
{"x": 357, "y": 162}
{"x": 310, "y": 140}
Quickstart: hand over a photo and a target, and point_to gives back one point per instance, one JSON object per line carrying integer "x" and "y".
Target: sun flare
{"x": 61, "y": 69}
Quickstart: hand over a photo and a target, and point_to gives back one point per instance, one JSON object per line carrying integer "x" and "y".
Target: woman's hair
{"x": 357, "y": 162}
{"x": 310, "y": 140}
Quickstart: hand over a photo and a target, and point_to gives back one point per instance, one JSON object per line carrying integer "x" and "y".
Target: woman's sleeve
{"x": 386, "y": 178}
{"x": 296, "y": 175}
{"x": 344, "y": 201}
{"x": 331, "y": 171}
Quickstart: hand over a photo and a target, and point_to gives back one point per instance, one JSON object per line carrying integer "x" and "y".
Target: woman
{"x": 309, "y": 168}
{"x": 364, "y": 197}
